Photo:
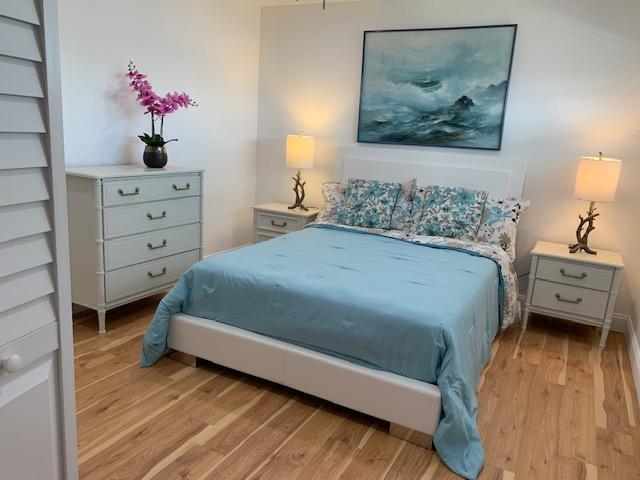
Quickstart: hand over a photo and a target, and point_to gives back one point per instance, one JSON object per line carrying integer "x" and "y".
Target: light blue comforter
{"x": 422, "y": 312}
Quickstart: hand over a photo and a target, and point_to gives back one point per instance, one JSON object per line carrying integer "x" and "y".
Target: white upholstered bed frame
{"x": 413, "y": 408}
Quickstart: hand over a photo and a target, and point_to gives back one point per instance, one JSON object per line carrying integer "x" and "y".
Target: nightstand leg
{"x": 102, "y": 321}
{"x": 525, "y": 318}
{"x": 604, "y": 335}
{"x": 527, "y": 303}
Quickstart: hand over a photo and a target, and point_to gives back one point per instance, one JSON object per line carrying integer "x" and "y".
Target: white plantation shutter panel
{"x": 25, "y": 206}
{"x": 35, "y": 316}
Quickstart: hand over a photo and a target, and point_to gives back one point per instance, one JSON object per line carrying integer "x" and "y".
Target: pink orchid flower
{"x": 155, "y": 105}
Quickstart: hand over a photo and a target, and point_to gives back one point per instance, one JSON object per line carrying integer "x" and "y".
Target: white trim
{"x": 60, "y": 237}
{"x": 228, "y": 250}
{"x": 633, "y": 346}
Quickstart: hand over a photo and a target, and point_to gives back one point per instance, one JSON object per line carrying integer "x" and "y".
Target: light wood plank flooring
{"x": 552, "y": 406}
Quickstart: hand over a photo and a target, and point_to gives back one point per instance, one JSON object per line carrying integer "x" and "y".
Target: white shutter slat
{"x": 24, "y": 287}
{"x": 21, "y": 114}
{"x": 22, "y": 150}
{"x": 23, "y": 254}
{"x": 24, "y": 185}
{"x": 20, "y": 221}
{"x": 20, "y": 77}
{"x": 24, "y": 10}
{"x": 19, "y": 39}
{"x": 23, "y": 319}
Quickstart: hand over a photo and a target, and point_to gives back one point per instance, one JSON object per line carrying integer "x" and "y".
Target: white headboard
{"x": 501, "y": 177}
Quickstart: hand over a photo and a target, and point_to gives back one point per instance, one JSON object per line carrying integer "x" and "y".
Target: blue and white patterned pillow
{"x": 499, "y": 223}
{"x": 333, "y": 193}
{"x": 451, "y": 212}
{"x": 402, "y": 210}
{"x": 369, "y": 203}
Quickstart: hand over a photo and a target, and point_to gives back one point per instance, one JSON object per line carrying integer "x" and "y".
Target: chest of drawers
{"x": 573, "y": 286}
{"x": 133, "y": 231}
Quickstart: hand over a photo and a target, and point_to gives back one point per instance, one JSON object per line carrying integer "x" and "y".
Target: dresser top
{"x": 115, "y": 171}
{"x": 284, "y": 209}
{"x": 561, "y": 251}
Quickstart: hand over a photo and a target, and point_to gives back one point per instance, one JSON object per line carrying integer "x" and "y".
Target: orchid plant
{"x": 156, "y": 106}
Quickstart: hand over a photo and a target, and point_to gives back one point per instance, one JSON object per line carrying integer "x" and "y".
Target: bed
{"x": 397, "y": 329}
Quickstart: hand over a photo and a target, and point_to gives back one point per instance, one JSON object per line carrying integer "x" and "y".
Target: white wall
{"x": 208, "y": 49}
{"x": 574, "y": 91}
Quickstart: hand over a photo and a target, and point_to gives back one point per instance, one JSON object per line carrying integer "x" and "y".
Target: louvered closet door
{"x": 37, "y": 421}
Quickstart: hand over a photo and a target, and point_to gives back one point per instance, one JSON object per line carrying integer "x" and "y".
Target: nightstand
{"x": 274, "y": 219}
{"x": 575, "y": 286}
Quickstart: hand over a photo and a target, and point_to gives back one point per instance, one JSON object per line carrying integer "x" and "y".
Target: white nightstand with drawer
{"x": 274, "y": 219}
{"x": 132, "y": 230}
{"x": 574, "y": 286}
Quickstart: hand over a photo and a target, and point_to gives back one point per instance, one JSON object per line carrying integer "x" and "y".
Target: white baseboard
{"x": 228, "y": 250}
{"x": 633, "y": 346}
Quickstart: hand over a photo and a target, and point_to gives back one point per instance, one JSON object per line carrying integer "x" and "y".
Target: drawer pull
{"x": 128, "y": 194}
{"x": 178, "y": 189}
{"x": 280, "y": 225}
{"x": 12, "y": 363}
{"x": 568, "y": 300}
{"x": 151, "y": 246}
{"x": 151, "y": 217}
{"x": 582, "y": 276}
{"x": 154, "y": 275}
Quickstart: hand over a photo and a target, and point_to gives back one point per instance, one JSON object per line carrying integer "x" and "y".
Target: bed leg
{"x": 421, "y": 439}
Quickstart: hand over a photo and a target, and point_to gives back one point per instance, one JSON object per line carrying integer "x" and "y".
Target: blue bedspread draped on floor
{"x": 422, "y": 312}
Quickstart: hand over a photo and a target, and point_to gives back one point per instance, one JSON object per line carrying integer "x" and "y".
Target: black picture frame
{"x": 361, "y": 137}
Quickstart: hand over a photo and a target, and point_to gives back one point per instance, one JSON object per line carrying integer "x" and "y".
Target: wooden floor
{"x": 552, "y": 406}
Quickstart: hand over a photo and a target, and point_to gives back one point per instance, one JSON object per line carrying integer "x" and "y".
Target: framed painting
{"x": 444, "y": 87}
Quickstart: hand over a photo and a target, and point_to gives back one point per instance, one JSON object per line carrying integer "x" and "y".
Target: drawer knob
{"x": 151, "y": 246}
{"x": 276, "y": 224}
{"x": 128, "y": 194}
{"x": 12, "y": 364}
{"x": 568, "y": 300}
{"x": 178, "y": 189}
{"x": 157, "y": 217}
{"x": 571, "y": 275}
{"x": 154, "y": 275}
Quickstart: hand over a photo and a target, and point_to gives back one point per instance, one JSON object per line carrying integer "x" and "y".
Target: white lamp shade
{"x": 597, "y": 179}
{"x": 300, "y": 151}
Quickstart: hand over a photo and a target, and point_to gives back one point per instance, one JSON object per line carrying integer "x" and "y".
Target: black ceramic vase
{"x": 155, "y": 157}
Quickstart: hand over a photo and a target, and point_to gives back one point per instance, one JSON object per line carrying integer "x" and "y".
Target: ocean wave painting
{"x": 438, "y": 87}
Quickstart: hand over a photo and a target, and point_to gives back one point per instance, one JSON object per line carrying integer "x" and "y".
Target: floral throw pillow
{"x": 369, "y": 203}
{"x": 333, "y": 193}
{"x": 500, "y": 218}
{"x": 451, "y": 212}
{"x": 402, "y": 210}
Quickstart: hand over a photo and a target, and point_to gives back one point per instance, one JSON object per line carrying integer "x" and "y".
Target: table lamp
{"x": 597, "y": 181}
{"x": 300, "y": 150}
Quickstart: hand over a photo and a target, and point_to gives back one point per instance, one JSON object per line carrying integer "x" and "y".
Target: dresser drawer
{"x": 569, "y": 299}
{"x": 277, "y": 223}
{"x": 129, "y": 281}
{"x": 263, "y": 236}
{"x": 576, "y": 274}
{"x": 125, "y": 191}
{"x": 146, "y": 217}
{"x": 125, "y": 251}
